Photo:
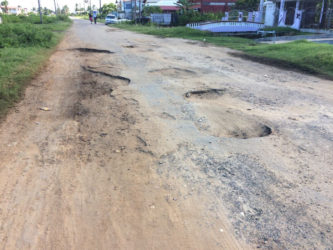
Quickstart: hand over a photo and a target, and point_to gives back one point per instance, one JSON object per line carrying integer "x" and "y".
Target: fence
{"x": 161, "y": 19}
{"x": 225, "y": 26}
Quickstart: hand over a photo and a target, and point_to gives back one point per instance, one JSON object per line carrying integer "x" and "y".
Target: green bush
{"x": 23, "y": 35}
{"x": 147, "y": 10}
{"x": 194, "y": 16}
{"x": 283, "y": 31}
{"x": 34, "y": 19}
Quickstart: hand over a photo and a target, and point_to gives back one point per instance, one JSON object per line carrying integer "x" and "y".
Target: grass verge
{"x": 25, "y": 49}
{"x": 301, "y": 55}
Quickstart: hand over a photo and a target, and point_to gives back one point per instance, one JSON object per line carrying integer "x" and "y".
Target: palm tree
{"x": 184, "y": 5}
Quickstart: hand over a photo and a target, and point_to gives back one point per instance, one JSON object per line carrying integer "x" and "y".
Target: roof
{"x": 165, "y": 8}
{"x": 161, "y": 3}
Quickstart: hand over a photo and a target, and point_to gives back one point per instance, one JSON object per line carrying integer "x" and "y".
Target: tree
{"x": 184, "y": 5}
{"x": 249, "y": 5}
{"x": 5, "y": 4}
{"x": 107, "y": 8}
{"x": 147, "y": 10}
{"x": 46, "y": 11}
{"x": 65, "y": 10}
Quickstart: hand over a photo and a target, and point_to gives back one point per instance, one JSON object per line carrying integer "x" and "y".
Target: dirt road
{"x": 150, "y": 143}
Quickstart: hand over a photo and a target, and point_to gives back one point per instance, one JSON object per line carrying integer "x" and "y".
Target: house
{"x": 11, "y": 10}
{"x": 215, "y": 5}
{"x": 299, "y": 13}
{"x": 167, "y": 6}
{"x": 131, "y": 7}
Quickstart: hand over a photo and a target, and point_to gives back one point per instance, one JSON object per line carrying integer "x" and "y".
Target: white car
{"x": 111, "y": 19}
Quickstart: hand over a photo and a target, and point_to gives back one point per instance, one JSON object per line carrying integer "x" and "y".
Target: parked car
{"x": 109, "y": 19}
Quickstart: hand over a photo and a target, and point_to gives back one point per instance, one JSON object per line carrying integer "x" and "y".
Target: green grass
{"x": 25, "y": 49}
{"x": 285, "y": 31}
{"x": 302, "y": 55}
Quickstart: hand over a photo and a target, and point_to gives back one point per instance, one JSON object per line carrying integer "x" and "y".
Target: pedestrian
{"x": 90, "y": 18}
{"x": 95, "y": 16}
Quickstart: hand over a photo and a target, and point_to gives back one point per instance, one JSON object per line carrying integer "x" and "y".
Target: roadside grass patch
{"x": 23, "y": 35}
{"x": 302, "y": 55}
{"x": 24, "y": 48}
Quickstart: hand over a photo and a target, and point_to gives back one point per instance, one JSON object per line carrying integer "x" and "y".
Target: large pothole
{"x": 229, "y": 123}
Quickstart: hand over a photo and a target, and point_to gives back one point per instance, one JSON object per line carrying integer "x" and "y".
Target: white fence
{"x": 161, "y": 19}
{"x": 228, "y": 26}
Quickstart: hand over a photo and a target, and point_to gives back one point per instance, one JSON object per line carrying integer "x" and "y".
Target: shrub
{"x": 283, "y": 31}
{"x": 147, "y": 10}
{"x": 23, "y": 35}
{"x": 34, "y": 19}
{"x": 194, "y": 16}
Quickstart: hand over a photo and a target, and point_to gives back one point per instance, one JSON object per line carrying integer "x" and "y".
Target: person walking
{"x": 90, "y": 17}
{"x": 95, "y": 16}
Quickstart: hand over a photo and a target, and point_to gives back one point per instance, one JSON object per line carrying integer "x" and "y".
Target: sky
{"x": 50, "y": 3}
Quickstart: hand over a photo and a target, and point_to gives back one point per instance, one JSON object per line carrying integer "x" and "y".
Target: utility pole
{"x": 55, "y": 7}
{"x": 40, "y": 12}
{"x": 100, "y": 6}
{"x": 132, "y": 10}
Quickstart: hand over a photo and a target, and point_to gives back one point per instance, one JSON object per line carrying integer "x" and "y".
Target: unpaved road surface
{"x": 165, "y": 144}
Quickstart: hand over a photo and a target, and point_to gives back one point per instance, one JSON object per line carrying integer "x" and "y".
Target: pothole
{"x": 130, "y": 46}
{"x": 207, "y": 93}
{"x": 174, "y": 72}
{"x": 260, "y": 130}
{"x": 229, "y": 123}
{"x": 107, "y": 74}
{"x": 91, "y": 50}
